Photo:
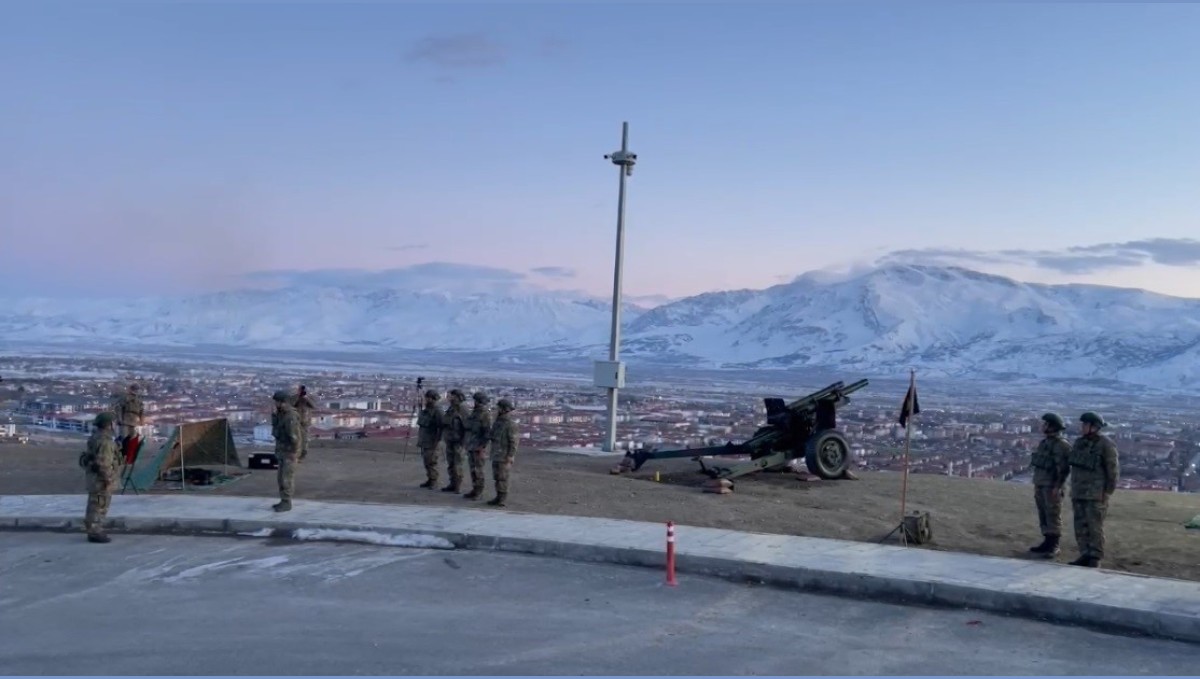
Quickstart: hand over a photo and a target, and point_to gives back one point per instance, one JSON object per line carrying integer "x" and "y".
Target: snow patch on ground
{"x": 374, "y": 538}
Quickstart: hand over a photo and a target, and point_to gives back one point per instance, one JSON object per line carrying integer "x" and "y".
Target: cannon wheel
{"x": 827, "y": 454}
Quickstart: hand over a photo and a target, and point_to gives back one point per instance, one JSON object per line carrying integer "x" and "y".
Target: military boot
{"x": 452, "y": 487}
{"x": 1087, "y": 562}
{"x": 427, "y": 484}
{"x": 1052, "y": 549}
{"x": 282, "y": 506}
{"x": 1048, "y": 548}
{"x": 498, "y": 501}
{"x": 98, "y": 537}
{"x": 474, "y": 494}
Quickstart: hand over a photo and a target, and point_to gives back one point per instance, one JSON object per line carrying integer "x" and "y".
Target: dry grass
{"x": 1145, "y": 529}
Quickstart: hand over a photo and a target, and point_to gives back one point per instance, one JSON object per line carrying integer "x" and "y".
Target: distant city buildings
{"x": 979, "y": 436}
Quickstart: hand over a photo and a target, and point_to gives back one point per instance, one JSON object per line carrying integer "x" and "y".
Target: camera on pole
{"x": 624, "y": 158}
{"x": 416, "y": 405}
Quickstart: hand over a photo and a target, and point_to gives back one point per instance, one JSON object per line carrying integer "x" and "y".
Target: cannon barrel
{"x": 837, "y": 389}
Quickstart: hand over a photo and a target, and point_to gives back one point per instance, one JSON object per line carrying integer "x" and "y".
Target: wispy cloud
{"x": 439, "y": 276}
{"x": 554, "y": 271}
{"x": 1079, "y": 259}
{"x": 408, "y": 246}
{"x": 461, "y": 51}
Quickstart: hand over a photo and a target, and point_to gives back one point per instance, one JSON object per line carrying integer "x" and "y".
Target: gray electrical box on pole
{"x": 610, "y": 374}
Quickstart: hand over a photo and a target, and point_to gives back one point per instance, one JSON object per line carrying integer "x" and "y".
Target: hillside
{"x": 946, "y": 321}
{"x": 1145, "y": 529}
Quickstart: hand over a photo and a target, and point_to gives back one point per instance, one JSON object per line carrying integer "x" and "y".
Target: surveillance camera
{"x": 622, "y": 157}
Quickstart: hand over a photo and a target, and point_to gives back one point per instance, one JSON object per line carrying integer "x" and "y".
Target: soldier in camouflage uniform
{"x": 285, "y": 426}
{"x": 1094, "y": 473}
{"x": 479, "y": 432}
{"x": 430, "y": 422}
{"x": 1050, "y": 470}
{"x": 304, "y": 407}
{"x": 504, "y": 437}
{"x": 129, "y": 412}
{"x": 101, "y": 464}
{"x": 454, "y": 433}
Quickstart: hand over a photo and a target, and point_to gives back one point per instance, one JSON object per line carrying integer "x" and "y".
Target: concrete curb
{"x": 1080, "y": 606}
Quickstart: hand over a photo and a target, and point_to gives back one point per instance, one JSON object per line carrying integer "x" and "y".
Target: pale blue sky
{"x": 209, "y": 140}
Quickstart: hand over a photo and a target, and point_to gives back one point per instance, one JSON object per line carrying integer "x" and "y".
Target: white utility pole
{"x": 611, "y": 373}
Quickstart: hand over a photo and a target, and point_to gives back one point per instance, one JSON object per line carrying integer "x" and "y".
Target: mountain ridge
{"x": 946, "y": 319}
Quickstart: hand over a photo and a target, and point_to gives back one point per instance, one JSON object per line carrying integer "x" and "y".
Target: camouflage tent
{"x": 206, "y": 443}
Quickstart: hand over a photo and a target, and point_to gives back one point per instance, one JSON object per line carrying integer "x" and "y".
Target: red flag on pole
{"x": 131, "y": 448}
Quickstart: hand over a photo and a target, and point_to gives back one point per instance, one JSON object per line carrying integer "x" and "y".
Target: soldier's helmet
{"x": 281, "y": 396}
{"x": 457, "y": 393}
{"x": 1054, "y": 420}
{"x": 480, "y": 397}
{"x": 504, "y": 404}
{"x": 103, "y": 419}
{"x": 1093, "y": 419}
{"x": 432, "y": 394}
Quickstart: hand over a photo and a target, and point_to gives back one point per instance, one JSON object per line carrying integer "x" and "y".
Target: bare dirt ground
{"x": 1145, "y": 529}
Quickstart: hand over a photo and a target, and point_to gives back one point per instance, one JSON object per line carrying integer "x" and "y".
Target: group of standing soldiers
{"x": 1092, "y": 466}
{"x": 466, "y": 436}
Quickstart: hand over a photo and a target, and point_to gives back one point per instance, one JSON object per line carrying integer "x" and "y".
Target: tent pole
{"x": 182, "y": 467}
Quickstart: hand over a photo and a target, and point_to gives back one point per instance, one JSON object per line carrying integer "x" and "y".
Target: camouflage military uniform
{"x": 304, "y": 407}
{"x": 101, "y": 464}
{"x": 287, "y": 431}
{"x": 129, "y": 411}
{"x": 1094, "y": 473}
{"x": 479, "y": 432}
{"x": 1050, "y": 471}
{"x": 430, "y": 422}
{"x": 504, "y": 437}
{"x": 454, "y": 432}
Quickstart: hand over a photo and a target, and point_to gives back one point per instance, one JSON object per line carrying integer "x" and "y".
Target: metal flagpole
{"x": 906, "y": 414}
{"x": 612, "y": 375}
{"x": 912, "y": 390}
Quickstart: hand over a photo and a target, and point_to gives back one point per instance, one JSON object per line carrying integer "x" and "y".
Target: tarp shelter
{"x": 206, "y": 443}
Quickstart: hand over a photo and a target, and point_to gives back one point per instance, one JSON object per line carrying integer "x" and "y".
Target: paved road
{"x": 193, "y": 605}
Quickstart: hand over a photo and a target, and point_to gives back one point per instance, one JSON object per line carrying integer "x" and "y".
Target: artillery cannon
{"x": 806, "y": 427}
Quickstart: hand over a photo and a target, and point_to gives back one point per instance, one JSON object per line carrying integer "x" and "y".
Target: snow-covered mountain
{"x": 321, "y": 317}
{"x": 944, "y": 320}
{"x": 947, "y": 320}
